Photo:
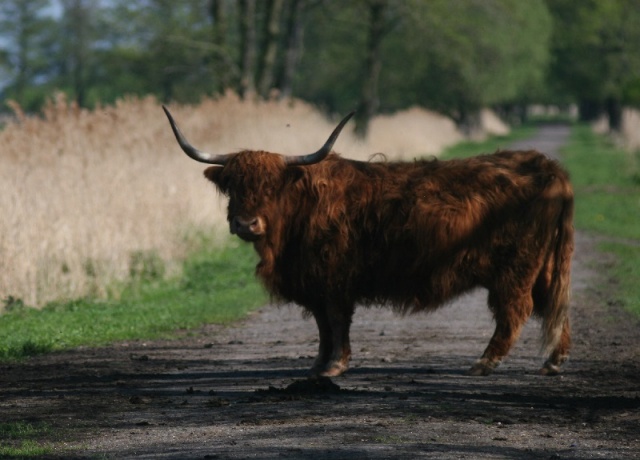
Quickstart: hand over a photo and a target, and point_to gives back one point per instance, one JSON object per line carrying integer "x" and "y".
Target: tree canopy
{"x": 454, "y": 56}
{"x": 596, "y": 54}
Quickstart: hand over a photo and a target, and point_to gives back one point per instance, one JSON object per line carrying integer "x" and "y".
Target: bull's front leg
{"x": 326, "y": 347}
{"x": 334, "y": 352}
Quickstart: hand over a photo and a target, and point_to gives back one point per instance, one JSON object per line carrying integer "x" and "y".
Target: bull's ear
{"x": 213, "y": 174}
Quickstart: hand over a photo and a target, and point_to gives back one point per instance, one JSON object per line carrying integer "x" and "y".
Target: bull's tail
{"x": 554, "y": 287}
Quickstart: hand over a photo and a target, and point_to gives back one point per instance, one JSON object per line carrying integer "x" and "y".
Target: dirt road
{"x": 239, "y": 392}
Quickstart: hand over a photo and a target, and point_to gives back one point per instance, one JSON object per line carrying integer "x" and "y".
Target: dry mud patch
{"x": 241, "y": 391}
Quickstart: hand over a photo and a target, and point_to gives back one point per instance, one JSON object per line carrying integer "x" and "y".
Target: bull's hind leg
{"x": 560, "y": 353}
{"x": 334, "y": 353}
{"x": 510, "y": 313}
{"x": 545, "y": 307}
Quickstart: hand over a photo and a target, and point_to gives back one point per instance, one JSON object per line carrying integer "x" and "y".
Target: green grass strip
{"x": 21, "y": 440}
{"x": 606, "y": 180}
{"x": 217, "y": 286}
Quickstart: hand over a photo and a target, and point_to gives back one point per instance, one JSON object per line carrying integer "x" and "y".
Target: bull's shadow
{"x": 190, "y": 392}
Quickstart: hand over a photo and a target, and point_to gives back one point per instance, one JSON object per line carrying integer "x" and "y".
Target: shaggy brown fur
{"x": 412, "y": 236}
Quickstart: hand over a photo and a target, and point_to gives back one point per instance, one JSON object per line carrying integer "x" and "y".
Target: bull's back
{"x": 460, "y": 224}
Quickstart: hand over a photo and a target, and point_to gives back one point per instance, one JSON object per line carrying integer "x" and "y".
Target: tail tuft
{"x": 555, "y": 316}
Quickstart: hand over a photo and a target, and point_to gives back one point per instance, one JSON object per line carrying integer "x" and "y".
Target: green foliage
{"x": 459, "y": 56}
{"x": 331, "y": 68}
{"x": 23, "y": 57}
{"x": 217, "y": 286}
{"x": 454, "y": 57}
{"x": 595, "y": 49}
{"x": 451, "y": 56}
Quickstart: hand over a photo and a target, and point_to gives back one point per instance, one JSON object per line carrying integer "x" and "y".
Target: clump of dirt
{"x": 298, "y": 390}
{"x": 316, "y": 385}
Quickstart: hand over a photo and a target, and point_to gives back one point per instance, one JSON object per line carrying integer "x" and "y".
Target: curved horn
{"x": 324, "y": 151}
{"x": 190, "y": 150}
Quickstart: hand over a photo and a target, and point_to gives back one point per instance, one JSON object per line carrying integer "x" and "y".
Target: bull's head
{"x": 252, "y": 180}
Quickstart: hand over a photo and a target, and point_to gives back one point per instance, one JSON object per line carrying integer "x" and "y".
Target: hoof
{"x": 332, "y": 369}
{"x": 481, "y": 368}
{"x": 549, "y": 369}
{"x": 552, "y": 365}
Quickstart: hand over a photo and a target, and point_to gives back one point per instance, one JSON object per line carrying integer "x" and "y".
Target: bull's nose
{"x": 243, "y": 226}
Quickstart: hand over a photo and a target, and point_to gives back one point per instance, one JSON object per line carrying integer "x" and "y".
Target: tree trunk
{"x": 614, "y": 113}
{"x": 268, "y": 58}
{"x": 21, "y": 26}
{"x": 77, "y": 17}
{"x": 295, "y": 31}
{"x": 219, "y": 55}
{"x": 369, "y": 100}
{"x": 23, "y": 50}
{"x": 589, "y": 110}
{"x": 468, "y": 121}
{"x": 246, "y": 86}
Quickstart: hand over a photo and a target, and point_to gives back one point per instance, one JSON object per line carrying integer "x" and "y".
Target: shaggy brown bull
{"x": 332, "y": 233}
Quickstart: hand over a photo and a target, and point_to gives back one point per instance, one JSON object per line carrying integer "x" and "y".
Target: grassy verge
{"x": 217, "y": 286}
{"x": 607, "y": 186}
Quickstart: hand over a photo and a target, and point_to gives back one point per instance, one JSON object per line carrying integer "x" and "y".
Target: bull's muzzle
{"x": 249, "y": 229}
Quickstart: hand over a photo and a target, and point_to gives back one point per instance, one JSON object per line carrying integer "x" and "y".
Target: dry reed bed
{"x": 81, "y": 191}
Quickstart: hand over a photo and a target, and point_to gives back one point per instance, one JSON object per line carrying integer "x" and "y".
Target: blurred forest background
{"x": 452, "y": 56}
